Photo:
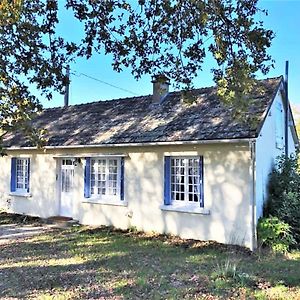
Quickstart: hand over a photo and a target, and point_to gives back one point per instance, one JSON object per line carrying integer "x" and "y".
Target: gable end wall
{"x": 267, "y": 153}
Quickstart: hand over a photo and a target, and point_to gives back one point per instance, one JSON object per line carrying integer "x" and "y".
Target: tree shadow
{"x": 107, "y": 263}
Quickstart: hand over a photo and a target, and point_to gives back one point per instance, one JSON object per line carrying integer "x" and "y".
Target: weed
{"x": 228, "y": 270}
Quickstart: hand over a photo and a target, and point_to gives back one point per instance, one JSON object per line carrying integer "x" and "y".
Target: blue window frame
{"x": 20, "y": 175}
{"x": 184, "y": 181}
{"x": 104, "y": 178}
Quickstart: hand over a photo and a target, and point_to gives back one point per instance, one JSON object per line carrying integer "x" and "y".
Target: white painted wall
{"x": 267, "y": 153}
{"x": 227, "y": 192}
{"x": 42, "y": 186}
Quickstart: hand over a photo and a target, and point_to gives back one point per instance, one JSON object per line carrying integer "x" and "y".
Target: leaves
{"x": 275, "y": 233}
{"x": 284, "y": 194}
{"x": 147, "y": 36}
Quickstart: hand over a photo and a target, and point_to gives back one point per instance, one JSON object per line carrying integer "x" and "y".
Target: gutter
{"x": 200, "y": 142}
{"x": 252, "y": 148}
{"x": 90, "y": 155}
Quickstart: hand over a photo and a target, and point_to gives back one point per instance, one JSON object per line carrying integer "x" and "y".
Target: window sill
{"x": 20, "y": 194}
{"x": 106, "y": 202}
{"x": 186, "y": 209}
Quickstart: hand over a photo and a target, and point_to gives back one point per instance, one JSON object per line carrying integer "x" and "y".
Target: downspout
{"x": 286, "y": 123}
{"x": 252, "y": 148}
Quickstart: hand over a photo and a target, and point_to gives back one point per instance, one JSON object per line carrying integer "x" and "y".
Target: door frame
{"x": 59, "y": 182}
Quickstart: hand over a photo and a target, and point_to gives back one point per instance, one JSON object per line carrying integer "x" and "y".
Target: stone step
{"x": 61, "y": 221}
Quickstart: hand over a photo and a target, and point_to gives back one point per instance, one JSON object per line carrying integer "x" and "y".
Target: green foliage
{"x": 228, "y": 270}
{"x": 149, "y": 37}
{"x": 275, "y": 234}
{"x": 32, "y": 55}
{"x": 284, "y": 194}
{"x": 225, "y": 270}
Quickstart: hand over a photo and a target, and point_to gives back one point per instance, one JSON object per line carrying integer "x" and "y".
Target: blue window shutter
{"x": 13, "y": 179}
{"x": 28, "y": 175}
{"x": 87, "y": 178}
{"x": 167, "y": 181}
{"x": 201, "y": 181}
{"x": 122, "y": 179}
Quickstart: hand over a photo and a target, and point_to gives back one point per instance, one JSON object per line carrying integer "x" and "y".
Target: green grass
{"x": 82, "y": 263}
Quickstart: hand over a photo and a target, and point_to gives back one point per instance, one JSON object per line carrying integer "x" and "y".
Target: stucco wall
{"x": 267, "y": 153}
{"x": 42, "y": 186}
{"x": 227, "y": 191}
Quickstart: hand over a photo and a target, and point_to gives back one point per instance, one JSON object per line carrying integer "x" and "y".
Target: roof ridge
{"x": 142, "y": 96}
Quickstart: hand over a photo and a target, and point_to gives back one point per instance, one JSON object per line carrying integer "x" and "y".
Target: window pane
{"x": 112, "y": 176}
{"x": 185, "y": 179}
{"x": 104, "y": 177}
{"x": 93, "y": 176}
{"x": 177, "y": 179}
{"x": 193, "y": 180}
{"x": 67, "y": 175}
{"x": 22, "y": 173}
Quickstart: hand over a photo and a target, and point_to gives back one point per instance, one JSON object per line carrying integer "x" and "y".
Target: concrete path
{"x": 11, "y": 232}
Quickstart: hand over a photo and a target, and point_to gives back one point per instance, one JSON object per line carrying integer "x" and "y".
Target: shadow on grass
{"x": 95, "y": 263}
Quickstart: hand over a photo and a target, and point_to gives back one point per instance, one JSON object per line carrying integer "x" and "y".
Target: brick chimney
{"x": 160, "y": 87}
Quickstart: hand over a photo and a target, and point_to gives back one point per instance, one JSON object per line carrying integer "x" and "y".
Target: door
{"x": 67, "y": 187}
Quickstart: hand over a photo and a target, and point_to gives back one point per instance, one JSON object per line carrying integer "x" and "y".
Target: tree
{"x": 148, "y": 36}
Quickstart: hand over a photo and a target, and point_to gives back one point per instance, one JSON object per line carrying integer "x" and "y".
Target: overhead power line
{"x": 78, "y": 74}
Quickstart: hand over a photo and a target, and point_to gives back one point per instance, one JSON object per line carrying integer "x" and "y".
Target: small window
{"x": 20, "y": 172}
{"x": 185, "y": 180}
{"x": 279, "y": 126}
{"x": 67, "y": 175}
{"x": 106, "y": 178}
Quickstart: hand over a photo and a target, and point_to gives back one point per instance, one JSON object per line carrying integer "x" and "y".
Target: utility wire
{"x": 78, "y": 74}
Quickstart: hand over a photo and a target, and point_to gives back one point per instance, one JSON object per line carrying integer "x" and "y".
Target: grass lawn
{"x": 83, "y": 263}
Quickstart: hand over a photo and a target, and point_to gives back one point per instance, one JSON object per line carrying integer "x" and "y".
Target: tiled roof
{"x": 138, "y": 120}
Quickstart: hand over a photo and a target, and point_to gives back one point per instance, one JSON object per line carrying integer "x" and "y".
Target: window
{"x": 184, "y": 181}
{"x": 67, "y": 175}
{"x": 279, "y": 125}
{"x": 104, "y": 178}
{"x": 20, "y": 171}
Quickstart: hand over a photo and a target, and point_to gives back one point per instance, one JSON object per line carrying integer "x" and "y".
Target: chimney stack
{"x": 160, "y": 87}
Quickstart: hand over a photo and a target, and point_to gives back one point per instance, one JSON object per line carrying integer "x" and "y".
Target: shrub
{"x": 284, "y": 194}
{"x": 275, "y": 234}
{"x": 289, "y": 212}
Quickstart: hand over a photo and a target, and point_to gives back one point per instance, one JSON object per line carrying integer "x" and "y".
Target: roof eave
{"x": 197, "y": 142}
{"x": 260, "y": 126}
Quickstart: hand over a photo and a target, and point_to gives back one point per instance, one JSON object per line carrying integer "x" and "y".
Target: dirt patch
{"x": 7, "y": 218}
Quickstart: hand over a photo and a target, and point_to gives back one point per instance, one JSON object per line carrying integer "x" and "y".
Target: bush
{"x": 284, "y": 194}
{"x": 289, "y": 212}
{"x": 275, "y": 234}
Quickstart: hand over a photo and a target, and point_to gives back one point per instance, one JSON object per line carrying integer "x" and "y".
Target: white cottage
{"x": 153, "y": 162}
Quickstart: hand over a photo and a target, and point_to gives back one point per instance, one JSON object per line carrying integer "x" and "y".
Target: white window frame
{"x": 185, "y": 203}
{"x": 24, "y": 182}
{"x": 106, "y": 197}
{"x": 67, "y": 171}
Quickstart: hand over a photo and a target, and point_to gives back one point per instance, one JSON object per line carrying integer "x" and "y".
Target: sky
{"x": 283, "y": 18}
